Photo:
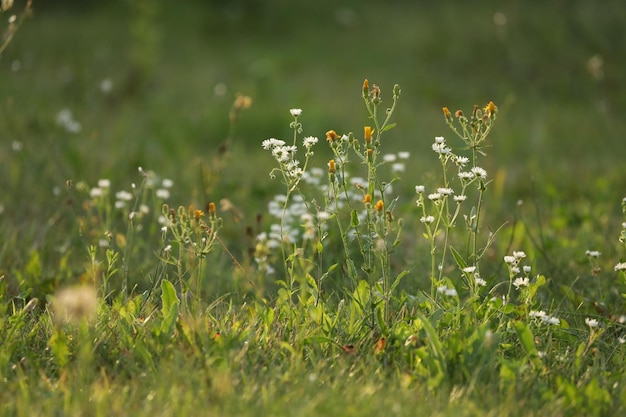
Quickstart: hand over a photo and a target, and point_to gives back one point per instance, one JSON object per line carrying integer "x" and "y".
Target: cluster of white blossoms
{"x": 544, "y": 318}
{"x": 513, "y": 263}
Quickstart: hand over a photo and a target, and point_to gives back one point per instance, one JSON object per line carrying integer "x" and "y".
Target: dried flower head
{"x": 332, "y": 136}
{"x": 75, "y": 304}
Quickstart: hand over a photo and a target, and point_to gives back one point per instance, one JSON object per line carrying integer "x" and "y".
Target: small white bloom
{"x": 309, "y": 141}
{"x": 620, "y": 266}
{"x": 479, "y": 172}
{"x": 323, "y": 215}
{"x": 389, "y": 157}
{"x": 520, "y": 282}
{"x": 461, "y": 161}
{"x": 592, "y": 323}
{"x": 445, "y": 191}
{"x": 96, "y": 192}
{"x": 419, "y": 189}
{"x": 163, "y": 193}
{"x": 592, "y": 253}
{"x": 439, "y": 139}
{"x": 515, "y": 269}
{"x": 451, "y": 292}
{"x": 295, "y": 112}
{"x": 621, "y": 340}
{"x": 537, "y": 313}
{"x": 167, "y": 183}
{"x": 106, "y": 85}
{"x": 466, "y": 175}
{"x": 104, "y": 183}
{"x": 480, "y": 282}
{"x": 397, "y": 167}
{"x": 434, "y": 196}
{"x": 441, "y": 148}
{"x": 123, "y": 195}
{"x": 552, "y": 320}
{"x": 526, "y": 269}
{"x": 427, "y": 219}
{"x": 510, "y": 260}
{"x": 404, "y": 155}
{"x": 460, "y": 198}
{"x": 469, "y": 269}
{"x": 519, "y": 254}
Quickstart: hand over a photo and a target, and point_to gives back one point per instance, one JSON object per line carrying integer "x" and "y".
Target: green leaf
{"x": 354, "y": 218}
{"x": 169, "y": 308}
{"x": 458, "y": 258}
{"x": 396, "y": 282}
{"x": 388, "y": 127}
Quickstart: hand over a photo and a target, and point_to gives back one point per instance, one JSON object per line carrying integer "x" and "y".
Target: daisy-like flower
{"x": 404, "y": 155}
{"x": 389, "y": 157}
{"x": 520, "y": 282}
{"x": 295, "y": 112}
{"x": 552, "y": 320}
{"x": 519, "y": 254}
{"x": 480, "y": 282}
{"x": 538, "y": 314}
{"x": 592, "y": 253}
{"x": 466, "y": 175}
{"x": 441, "y": 148}
{"x": 167, "y": 183}
{"x": 272, "y": 143}
{"x": 592, "y": 323}
{"x": 445, "y": 191}
{"x": 620, "y": 266}
{"x": 440, "y": 140}
{"x": 460, "y": 198}
{"x": 479, "y": 172}
{"x": 461, "y": 161}
{"x": 469, "y": 269}
{"x": 309, "y": 141}
{"x": 526, "y": 269}
{"x": 434, "y": 196}
{"x": 419, "y": 189}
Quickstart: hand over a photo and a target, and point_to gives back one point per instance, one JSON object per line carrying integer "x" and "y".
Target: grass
{"x": 176, "y": 309}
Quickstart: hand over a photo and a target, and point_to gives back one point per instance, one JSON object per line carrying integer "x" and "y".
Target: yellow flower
{"x": 490, "y": 109}
{"x": 332, "y": 136}
{"x": 367, "y": 199}
{"x": 366, "y": 87}
{"x": 211, "y": 207}
{"x": 368, "y": 132}
{"x": 379, "y": 206}
{"x": 446, "y": 113}
{"x": 331, "y": 166}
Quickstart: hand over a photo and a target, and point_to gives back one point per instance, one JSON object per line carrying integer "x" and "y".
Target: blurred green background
{"x": 151, "y": 84}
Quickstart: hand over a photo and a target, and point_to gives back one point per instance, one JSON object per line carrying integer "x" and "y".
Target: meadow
{"x": 356, "y": 208}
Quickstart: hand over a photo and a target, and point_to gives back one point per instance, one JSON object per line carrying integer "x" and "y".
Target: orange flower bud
{"x": 368, "y": 132}
{"x": 446, "y": 113}
{"x": 367, "y": 199}
{"x": 366, "y": 87}
{"x": 197, "y": 215}
{"x": 331, "y": 166}
{"x": 458, "y": 113}
{"x": 379, "y": 206}
{"x": 212, "y": 209}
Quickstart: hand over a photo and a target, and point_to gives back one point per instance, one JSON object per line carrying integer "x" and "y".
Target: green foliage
{"x": 345, "y": 297}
